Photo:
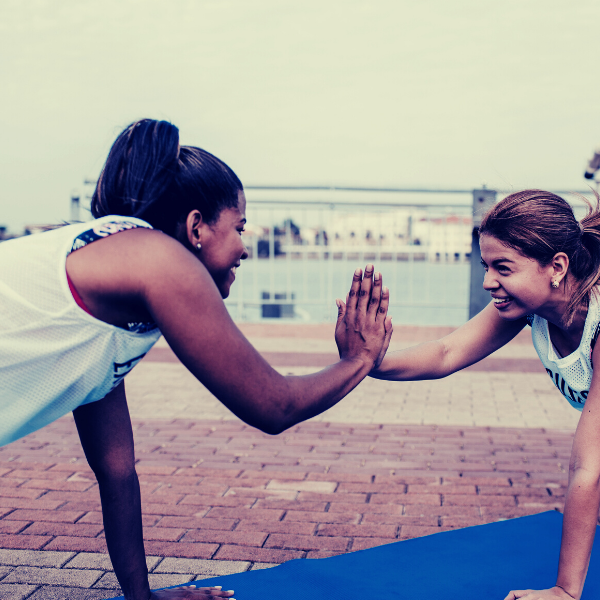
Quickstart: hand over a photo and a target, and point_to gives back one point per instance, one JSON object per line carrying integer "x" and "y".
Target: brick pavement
{"x": 221, "y": 497}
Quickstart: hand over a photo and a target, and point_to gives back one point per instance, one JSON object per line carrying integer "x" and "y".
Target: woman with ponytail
{"x": 541, "y": 268}
{"x": 82, "y": 304}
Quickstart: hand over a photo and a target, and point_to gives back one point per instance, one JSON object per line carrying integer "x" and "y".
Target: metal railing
{"x": 304, "y": 249}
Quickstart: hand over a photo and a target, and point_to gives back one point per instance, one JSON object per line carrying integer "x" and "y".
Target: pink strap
{"x": 77, "y": 297}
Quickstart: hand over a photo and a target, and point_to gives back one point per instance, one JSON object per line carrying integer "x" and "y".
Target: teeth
{"x": 233, "y": 269}
{"x": 500, "y": 300}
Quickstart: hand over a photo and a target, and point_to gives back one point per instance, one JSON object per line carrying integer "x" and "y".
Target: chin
{"x": 224, "y": 289}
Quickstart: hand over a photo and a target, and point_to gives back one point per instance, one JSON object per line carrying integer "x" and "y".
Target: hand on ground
{"x": 554, "y": 593}
{"x": 191, "y": 592}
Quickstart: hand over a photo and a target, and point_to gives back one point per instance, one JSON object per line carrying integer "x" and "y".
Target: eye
{"x": 484, "y": 265}
{"x": 240, "y": 231}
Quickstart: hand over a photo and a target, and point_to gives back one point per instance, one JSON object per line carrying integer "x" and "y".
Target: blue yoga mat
{"x": 486, "y": 561}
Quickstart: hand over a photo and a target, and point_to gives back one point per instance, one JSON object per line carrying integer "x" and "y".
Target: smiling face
{"x": 222, "y": 246}
{"x": 519, "y": 286}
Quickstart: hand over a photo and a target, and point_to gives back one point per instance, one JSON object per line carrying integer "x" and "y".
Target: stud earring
{"x": 555, "y": 284}
{"x": 199, "y": 246}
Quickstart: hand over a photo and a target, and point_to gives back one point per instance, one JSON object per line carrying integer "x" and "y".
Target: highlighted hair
{"x": 539, "y": 225}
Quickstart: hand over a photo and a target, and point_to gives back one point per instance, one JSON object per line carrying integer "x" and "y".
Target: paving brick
{"x": 322, "y": 517}
{"x": 75, "y": 544}
{"x": 56, "y": 516}
{"x": 256, "y": 554}
{"x": 24, "y": 542}
{"x": 109, "y": 581}
{"x": 197, "y": 523}
{"x": 227, "y": 501}
{"x": 68, "y": 529}
{"x": 14, "y": 591}
{"x": 346, "y": 530}
{"x": 181, "y": 549}
{"x": 245, "y": 513}
{"x": 360, "y": 543}
{"x": 300, "y": 528}
{"x": 51, "y": 576}
{"x": 320, "y": 487}
{"x": 242, "y": 538}
{"x": 201, "y": 567}
{"x": 413, "y": 531}
{"x": 307, "y": 542}
{"x": 167, "y": 534}
{"x": 468, "y": 500}
{"x": 67, "y": 593}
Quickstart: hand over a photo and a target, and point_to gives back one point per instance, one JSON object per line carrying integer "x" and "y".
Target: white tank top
{"x": 571, "y": 374}
{"x": 54, "y": 356}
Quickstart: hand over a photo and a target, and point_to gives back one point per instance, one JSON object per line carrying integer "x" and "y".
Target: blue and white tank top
{"x": 571, "y": 374}
{"x": 54, "y": 356}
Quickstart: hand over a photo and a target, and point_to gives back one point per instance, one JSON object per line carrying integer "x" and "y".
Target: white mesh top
{"x": 571, "y": 374}
{"x": 54, "y": 356}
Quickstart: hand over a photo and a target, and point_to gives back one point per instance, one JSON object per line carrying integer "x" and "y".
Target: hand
{"x": 191, "y": 592}
{"x": 363, "y": 329}
{"x": 551, "y": 594}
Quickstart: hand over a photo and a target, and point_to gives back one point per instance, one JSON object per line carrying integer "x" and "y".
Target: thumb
{"x": 389, "y": 328}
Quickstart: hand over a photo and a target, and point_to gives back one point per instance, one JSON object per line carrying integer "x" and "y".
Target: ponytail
{"x": 140, "y": 166}
{"x": 540, "y": 224}
{"x": 585, "y": 263}
{"x": 147, "y": 175}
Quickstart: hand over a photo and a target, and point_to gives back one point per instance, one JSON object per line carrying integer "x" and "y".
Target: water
{"x": 421, "y": 292}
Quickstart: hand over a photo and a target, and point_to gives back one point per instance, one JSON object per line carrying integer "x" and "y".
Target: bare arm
{"x": 106, "y": 436}
{"x": 476, "y": 339}
{"x": 581, "y": 504}
{"x": 143, "y": 270}
{"x": 104, "y": 429}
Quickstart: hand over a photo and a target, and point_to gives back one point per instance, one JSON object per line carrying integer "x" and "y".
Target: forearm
{"x": 425, "y": 361}
{"x": 579, "y": 527}
{"x": 310, "y": 395}
{"x": 122, "y": 515}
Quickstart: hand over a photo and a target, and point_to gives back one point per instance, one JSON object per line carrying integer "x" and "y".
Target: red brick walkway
{"x": 225, "y": 491}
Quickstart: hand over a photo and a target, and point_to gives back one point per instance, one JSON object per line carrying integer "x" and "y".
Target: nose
{"x": 489, "y": 281}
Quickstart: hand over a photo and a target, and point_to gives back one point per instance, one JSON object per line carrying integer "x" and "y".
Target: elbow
{"x": 277, "y": 416}
{"x": 582, "y": 475}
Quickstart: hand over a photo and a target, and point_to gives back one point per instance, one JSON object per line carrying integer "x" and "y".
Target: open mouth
{"x": 502, "y": 302}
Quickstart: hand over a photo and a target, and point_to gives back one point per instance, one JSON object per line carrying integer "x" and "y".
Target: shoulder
{"x": 131, "y": 262}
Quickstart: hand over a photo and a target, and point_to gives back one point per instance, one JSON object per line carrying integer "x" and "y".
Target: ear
{"x": 559, "y": 266}
{"x": 193, "y": 228}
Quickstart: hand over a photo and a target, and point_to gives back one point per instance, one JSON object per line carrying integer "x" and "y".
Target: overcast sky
{"x": 432, "y": 93}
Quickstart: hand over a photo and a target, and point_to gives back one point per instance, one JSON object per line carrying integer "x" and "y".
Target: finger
{"x": 375, "y": 295}
{"x": 384, "y": 304}
{"x": 386, "y": 342}
{"x": 364, "y": 294}
{"x": 352, "y": 298}
{"x": 341, "y": 311}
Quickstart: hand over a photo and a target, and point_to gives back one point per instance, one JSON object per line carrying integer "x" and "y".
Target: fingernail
{"x": 338, "y": 303}
{"x": 377, "y": 276}
{"x": 385, "y": 289}
{"x": 358, "y": 271}
{"x": 369, "y": 268}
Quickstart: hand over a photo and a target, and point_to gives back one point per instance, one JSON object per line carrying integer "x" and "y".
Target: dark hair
{"x": 148, "y": 175}
{"x": 540, "y": 224}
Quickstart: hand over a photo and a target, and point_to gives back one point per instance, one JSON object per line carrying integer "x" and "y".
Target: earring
{"x": 555, "y": 284}
{"x": 199, "y": 246}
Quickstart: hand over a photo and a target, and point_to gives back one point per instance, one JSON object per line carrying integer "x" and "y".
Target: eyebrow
{"x": 243, "y": 220}
{"x": 497, "y": 261}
